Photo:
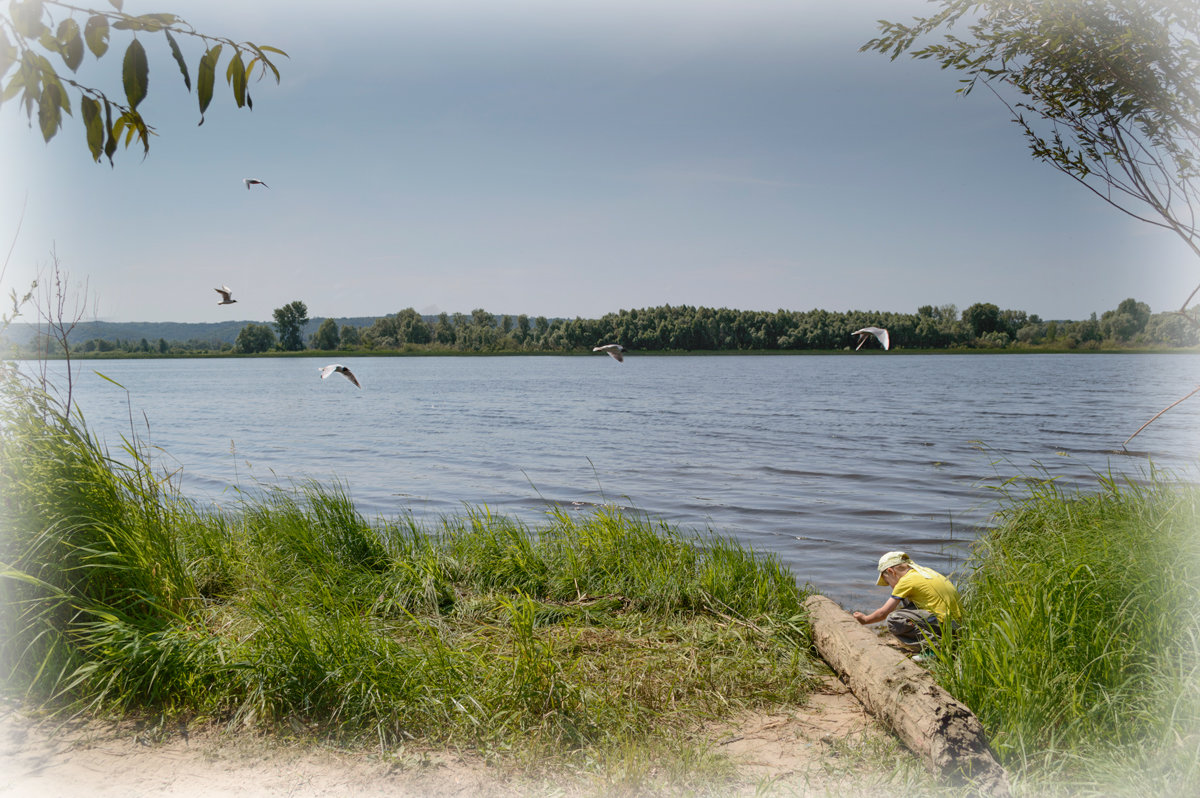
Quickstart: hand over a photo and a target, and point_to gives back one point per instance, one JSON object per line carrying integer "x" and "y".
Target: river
{"x": 825, "y": 461}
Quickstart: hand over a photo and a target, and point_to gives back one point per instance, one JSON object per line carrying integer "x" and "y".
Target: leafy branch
{"x": 1106, "y": 92}
{"x": 35, "y": 31}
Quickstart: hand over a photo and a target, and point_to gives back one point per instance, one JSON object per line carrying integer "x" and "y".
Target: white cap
{"x": 888, "y": 560}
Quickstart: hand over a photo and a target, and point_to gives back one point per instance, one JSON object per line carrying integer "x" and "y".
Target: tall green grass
{"x": 89, "y": 562}
{"x": 289, "y": 610}
{"x": 1081, "y": 647}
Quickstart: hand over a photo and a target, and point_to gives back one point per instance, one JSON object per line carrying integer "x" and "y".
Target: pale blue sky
{"x": 570, "y": 158}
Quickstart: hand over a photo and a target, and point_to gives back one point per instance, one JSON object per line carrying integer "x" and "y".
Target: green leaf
{"x": 205, "y": 77}
{"x": 178, "y": 55}
{"x": 31, "y": 80}
{"x": 50, "y": 77}
{"x": 262, "y": 53}
{"x": 136, "y": 73}
{"x": 235, "y": 76}
{"x": 27, "y": 18}
{"x": 50, "y": 110}
{"x": 8, "y": 53}
{"x": 71, "y": 43}
{"x": 110, "y": 146}
{"x": 136, "y": 127}
{"x": 13, "y": 88}
{"x": 109, "y": 379}
{"x": 96, "y": 34}
{"x": 122, "y": 127}
{"x": 90, "y": 110}
{"x": 267, "y": 63}
{"x": 117, "y": 4}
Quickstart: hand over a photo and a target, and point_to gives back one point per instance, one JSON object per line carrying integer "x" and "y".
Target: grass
{"x": 577, "y": 642}
{"x": 1081, "y": 649}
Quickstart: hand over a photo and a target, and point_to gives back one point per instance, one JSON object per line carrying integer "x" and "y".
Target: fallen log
{"x": 942, "y": 731}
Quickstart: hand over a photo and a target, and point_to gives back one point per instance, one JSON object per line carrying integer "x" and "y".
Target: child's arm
{"x": 888, "y": 607}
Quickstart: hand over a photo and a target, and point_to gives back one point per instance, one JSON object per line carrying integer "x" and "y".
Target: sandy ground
{"x": 796, "y": 753}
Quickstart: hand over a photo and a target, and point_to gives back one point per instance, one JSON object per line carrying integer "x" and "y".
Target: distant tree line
{"x": 160, "y": 347}
{"x": 687, "y": 328}
{"x": 674, "y": 328}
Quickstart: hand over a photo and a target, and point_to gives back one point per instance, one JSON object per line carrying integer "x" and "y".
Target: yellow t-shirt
{"x": 929, "y": 590}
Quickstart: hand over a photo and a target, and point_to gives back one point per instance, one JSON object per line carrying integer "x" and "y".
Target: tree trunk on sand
{"x": 903, "y": 695}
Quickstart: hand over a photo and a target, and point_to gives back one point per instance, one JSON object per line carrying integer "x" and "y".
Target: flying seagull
{"x": 226, "y": 295}
{"x": 865, "y": 334}
{"x": 250, "y": 181}
{"x": 340, "y": 369}
{"x": 613, "y": 350}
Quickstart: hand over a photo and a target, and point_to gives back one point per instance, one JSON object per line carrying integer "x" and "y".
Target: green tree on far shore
{"x": 254, "y": 339}
{"x": 326, "y": 336}
{"x": 350, "y": 337}
{"x": 983, "y": 318}
{"x": 1129, "y": 319}
{"x": 391, "y": 332}
{"x": 1132, "y": 325}
{"x": 289, "y": 325}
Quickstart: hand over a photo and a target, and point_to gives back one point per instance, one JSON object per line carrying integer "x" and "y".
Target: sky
{"x": 565, "y": 158}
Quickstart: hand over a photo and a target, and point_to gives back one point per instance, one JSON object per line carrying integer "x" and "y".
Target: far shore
{"x": 347, "y": 353}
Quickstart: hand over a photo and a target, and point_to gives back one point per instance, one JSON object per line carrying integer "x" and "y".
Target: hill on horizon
{"x": 217, "y": 332}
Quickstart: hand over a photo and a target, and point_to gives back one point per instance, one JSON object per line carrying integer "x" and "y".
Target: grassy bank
{"x": 591, "y": 638}
{"x": 1081, "y": 648}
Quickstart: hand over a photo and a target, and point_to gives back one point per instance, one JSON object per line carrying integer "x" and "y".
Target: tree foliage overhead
{"x": 1105, "y": 91}
{"x": 34, "y": 32}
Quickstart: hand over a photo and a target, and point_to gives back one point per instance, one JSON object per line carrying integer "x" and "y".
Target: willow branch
{"x": 1193, "y": 392}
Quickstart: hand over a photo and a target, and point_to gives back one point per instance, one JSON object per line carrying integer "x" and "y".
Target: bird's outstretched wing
{"x": 612, "y": 350}
{"x": 880, "y": 334}
{"x": 340, "y": 369}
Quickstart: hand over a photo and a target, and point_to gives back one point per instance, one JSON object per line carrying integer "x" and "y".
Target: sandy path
{"x": 795, "y": 751}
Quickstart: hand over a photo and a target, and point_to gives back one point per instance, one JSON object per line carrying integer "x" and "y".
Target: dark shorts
{"x": 915, "y": 628}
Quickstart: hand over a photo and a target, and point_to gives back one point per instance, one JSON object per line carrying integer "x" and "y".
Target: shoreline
{"x": 325, "y": 354}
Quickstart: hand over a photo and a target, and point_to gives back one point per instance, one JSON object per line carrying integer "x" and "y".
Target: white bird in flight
{"x": 865, "y": 334}
{"x": 226, "y": 295}
{"x": 612, "y": 350}
{"x": 340, "y": 369}
{"x": 250, "y": 181}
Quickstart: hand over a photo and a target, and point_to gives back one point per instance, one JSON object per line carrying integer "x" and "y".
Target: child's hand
{"x": 858, "y": 616}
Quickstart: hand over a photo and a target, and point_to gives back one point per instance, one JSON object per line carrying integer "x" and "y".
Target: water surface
{"x": 826, "y": 461}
